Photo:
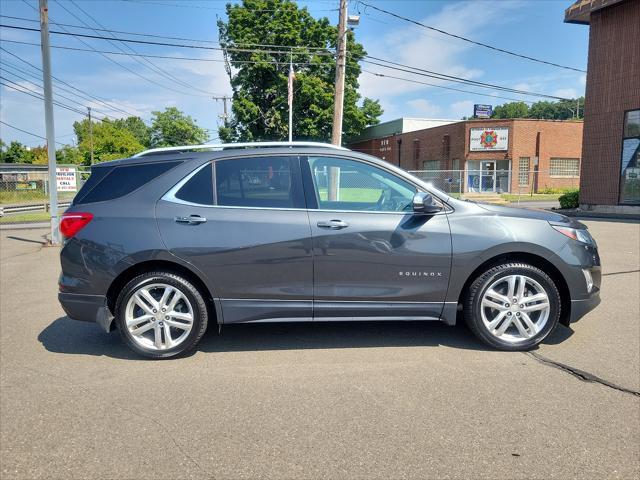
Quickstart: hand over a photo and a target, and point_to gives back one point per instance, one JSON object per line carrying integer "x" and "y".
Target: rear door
{"x": 373, "y": 257}
{"x": 243, "y": 222}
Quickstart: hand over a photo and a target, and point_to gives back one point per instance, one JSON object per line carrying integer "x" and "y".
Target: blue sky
{"x": 531, "y": 27}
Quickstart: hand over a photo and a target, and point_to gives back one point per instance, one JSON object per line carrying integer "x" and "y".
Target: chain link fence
{"x": 26, "y": 189}
{"x": 519, "y": 183}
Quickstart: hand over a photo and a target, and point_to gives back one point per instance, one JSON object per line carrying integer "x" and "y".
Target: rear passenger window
{"x": 199, "y": 188}
{"x": 123, "y": 180}
{"x": 257, "y": 182}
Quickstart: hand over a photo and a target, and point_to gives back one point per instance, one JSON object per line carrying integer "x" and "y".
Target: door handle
{"x": 333, "y": 224}
{"x": 191, "y": 219}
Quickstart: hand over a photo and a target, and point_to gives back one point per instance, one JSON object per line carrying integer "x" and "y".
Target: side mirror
{"x": 424, "y": 203}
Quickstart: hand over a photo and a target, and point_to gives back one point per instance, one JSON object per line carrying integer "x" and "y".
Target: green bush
{"x": 570, "y": 199}
{"x": 554, "y": 190}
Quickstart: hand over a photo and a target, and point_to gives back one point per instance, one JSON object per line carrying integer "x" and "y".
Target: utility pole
{"x": 225, "y": 115}
{"x": 90, "y": 134}
{"x": 48, "y": 115}
{"x": 338, "y": 104}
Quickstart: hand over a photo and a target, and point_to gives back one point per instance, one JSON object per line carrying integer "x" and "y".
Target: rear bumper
{"x": 87, "y": 308}
{"x": 579, "y": 308}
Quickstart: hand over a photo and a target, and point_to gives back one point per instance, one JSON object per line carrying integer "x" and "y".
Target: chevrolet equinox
{"x": 165, "y": 243}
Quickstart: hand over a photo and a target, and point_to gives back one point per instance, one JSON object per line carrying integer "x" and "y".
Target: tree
{"x": 110, "y": 141}
{"x": 137, "y": 127}
{"x": 40, "y": 155}
{"x": 69, "y": 154}
{"x": 260, "y": 109}
{"x": 511, "y": 110}
{"x": 561, "y": 110}
{"x": 172, "y": 127}
{"x": 16, "y": 152}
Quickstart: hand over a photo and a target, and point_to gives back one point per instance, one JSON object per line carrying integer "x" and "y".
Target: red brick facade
{"x": 449, "y": 146}
{"x": 613, "y": 87}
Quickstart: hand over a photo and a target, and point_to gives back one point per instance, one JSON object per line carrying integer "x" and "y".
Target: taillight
{"x": 72, "y": 222}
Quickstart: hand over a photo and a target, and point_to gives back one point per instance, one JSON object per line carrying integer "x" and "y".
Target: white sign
{"x": 489, "y": 139}
{"x": 66, "y": 179}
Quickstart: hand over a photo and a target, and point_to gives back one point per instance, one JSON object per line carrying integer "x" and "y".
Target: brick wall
{"x": 613, "y": 86}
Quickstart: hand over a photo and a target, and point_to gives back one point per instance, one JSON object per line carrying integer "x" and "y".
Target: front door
{"x": 249, "y": 235}
{"x": 373, "y": 258}
{"x": 488, "y": 176}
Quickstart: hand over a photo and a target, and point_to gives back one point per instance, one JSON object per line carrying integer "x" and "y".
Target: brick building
{"x": 611, "y": 146}
{"x": 487, "y": 155}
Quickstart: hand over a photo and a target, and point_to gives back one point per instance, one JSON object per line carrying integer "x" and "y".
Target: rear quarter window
{"x": 114, "y": 182}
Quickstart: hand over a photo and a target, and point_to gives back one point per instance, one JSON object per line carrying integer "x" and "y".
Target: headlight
{"x": 580, "y": 235}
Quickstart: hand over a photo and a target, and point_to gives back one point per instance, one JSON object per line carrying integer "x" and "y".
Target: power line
{"x": 452, "y": 78}
{"x": 76, "y": 36}
{"x": 164, "y": 44}
{"x": 152, "y": 66}
{"x": 165, "y": 37}
{"x": 111, "y": 106}
{"x": 25, "y": 131}
{"x": 444, "y": 87}
{"x": 19, "y": 88}
{"x": 412, "y": 70}
{"x": 491, "y": 47}
{"x": 159, "y": 56}
{"x": 31, "y": 82}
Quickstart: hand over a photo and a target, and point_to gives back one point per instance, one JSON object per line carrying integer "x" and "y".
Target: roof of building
{"x": 580, "y": 11}
{"x": 397, "y": 126}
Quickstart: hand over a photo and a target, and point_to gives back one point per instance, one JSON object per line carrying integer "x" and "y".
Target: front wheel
{"x": 161, "y": 315}
{"x": 512, "y": 306}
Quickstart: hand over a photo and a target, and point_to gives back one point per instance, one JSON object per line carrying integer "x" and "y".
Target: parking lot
{"x": 357, "y": 400}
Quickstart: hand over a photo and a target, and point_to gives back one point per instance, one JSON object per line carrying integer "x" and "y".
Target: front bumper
{"x": 87, "y": 308}
{"x": 579, "y": 308}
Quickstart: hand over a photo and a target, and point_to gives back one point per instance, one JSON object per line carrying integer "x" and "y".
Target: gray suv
{"x": 163, "y": 244}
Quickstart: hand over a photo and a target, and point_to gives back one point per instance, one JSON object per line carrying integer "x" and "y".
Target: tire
{"x": 155, "y": 333}
{"x": 530, "y": 321}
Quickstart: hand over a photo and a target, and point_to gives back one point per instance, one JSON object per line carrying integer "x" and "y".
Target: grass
{"x": 30, "y": 196}
{"x": 363, "y": 195}
{"x": 536, "y": 197}
{"x": 26, "y": 217}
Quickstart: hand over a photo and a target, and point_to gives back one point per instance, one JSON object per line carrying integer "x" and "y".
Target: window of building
{"x": 416, "y": 150}
{"x": 630, "y": 166}
{"x": 431, "y": 165}
{"x": 264, "y": 182}
{"x": 199, "y": 188}
{"x": 523, "y": 171}
{"x": 564, "y": 167}
{"x": 455, "y": 164}
{"x": 343, "y": 184}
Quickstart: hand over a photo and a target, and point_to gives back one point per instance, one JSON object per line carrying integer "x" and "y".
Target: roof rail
{"x": 222, "y": 146}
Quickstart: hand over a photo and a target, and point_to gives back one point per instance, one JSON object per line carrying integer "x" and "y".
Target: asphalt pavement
{"x": 353, "y": 400}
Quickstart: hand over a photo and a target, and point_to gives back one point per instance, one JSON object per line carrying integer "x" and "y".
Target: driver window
{"x": 342, "y": 184}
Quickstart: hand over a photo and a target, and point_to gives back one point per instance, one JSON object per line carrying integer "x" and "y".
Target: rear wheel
{"x": 161, "y": 315}
{"x": 512, "y": 306}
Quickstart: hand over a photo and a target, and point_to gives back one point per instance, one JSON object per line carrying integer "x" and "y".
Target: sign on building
{"x": 66, "y": 179}
{"x": 482, "y": 111}
{"x": 488, "y": 139}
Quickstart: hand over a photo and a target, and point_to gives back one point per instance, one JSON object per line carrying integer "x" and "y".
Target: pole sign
{"x": 482, "y": 111}
{"x": 488, "y": 139}
{"x": 66, "y": 179}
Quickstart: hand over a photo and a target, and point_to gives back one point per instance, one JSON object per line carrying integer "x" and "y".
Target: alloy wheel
{"x": 158, "y": 316}
{"x": 515, "y": 308}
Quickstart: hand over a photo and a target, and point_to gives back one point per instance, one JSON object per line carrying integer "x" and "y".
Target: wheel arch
{"x": 159, "y": 265}
{"x": 535, "y": 260}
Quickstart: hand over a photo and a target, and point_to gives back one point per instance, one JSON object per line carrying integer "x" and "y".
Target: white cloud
{"x": 566, "y": 93}
{"x": 421, "y": 107}
{"x": 463, "y": 108}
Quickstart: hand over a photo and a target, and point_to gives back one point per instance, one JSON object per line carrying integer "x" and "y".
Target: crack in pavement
{"x": 580, "y": 374}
